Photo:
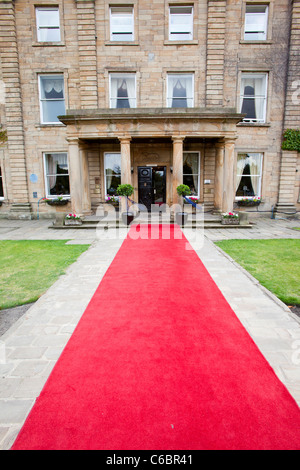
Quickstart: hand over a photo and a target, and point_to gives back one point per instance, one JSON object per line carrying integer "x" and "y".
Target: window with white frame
{"x": 191, "y": 172}
{"x": 180, "y": 90}
{"x": 56, "y": 174}
{"x": 249, "y": 175}
{"x": 112, "y": 168}
{"x": 48, "y": 24}
{"x": 52, "y": 98}
{"x": 256, "y": 22}
{"x": 253, "y": 100}
{"x": 180, "y": 23}
{"x": 122, "y": 90}
{"x": 121, "y": 23}
{"x": 1, "y": 185}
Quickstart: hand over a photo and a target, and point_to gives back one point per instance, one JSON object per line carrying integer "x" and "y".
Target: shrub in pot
{"x": 181, "y": 217}
{"x": 126, "y": 190}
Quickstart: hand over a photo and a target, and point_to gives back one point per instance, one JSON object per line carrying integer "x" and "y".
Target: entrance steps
{"x": 207, "y": 221}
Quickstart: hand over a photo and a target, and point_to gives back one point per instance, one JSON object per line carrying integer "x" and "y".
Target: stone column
{"x": 228, "y": 176}
{"x": 125, "y": 160}
{"x": 218, "y": 190}
{"x": 86, "y": 198}
{"x": 177, "y": 166}
{"x": 125, "y": 166}
{"x": 76, "y": 176}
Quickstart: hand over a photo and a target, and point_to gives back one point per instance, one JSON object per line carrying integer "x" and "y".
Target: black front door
{"x": 152, "y": 185}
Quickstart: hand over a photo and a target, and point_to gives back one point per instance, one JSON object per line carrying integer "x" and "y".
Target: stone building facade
{"x": 98, "y": 92}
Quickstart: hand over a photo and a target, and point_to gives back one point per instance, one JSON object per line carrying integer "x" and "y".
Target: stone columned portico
{"x": 178, "y": 126}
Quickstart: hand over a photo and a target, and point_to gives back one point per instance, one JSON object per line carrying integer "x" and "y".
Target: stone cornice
{"x": 213, "y": 114}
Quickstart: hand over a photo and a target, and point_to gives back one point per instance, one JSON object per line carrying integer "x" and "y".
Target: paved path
{"x": 31, "y": 347}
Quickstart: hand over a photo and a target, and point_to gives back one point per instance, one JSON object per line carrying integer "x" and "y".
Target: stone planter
{"x": 73, "y": 222}
{"x": 233, "y": 221}
{"x": 127, "y": 218}
{"x": 115, "y": 205}
{"x": 248, "y": 203}
{"x": 57, "y": 203}
{"x": 181, "y": 218}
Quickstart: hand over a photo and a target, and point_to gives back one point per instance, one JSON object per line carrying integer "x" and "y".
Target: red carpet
{"x": 159, "y": 361}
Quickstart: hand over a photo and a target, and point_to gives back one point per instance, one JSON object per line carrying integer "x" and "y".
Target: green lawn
{"x": 29, "y": 267}
{"x": 274, "y": 263}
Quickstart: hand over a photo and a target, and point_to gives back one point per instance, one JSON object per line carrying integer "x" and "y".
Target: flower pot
{"x": 57, "y": 203}
{"x": 248, "y": 203}
{"x": 233, "y": 221}
{"x": 181, "y": 218}
{"x": 115, "y": 205}
{"x": 73, "y": 222}
{"x": 127, "y": 218}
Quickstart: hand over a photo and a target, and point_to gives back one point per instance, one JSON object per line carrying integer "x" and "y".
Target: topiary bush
{"x": 291, "y": 140}
{"x": 183, "y": 190}
{"x": 125, "y": 190}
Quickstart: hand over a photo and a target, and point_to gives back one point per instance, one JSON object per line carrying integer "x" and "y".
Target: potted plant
{"x": 126, "y": 190}
{"x": 73, "y": 219}
{"x": 58, "y": 201}
{"x": 181, "y": 217}
{"x": 113, "y": 200}
{"x": 195, "y": 200}
{"x": 230, "y": 218}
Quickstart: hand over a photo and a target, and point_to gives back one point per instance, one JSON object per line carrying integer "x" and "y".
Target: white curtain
{"x": 254, "y": 162}
{"x": 112, "y": 167}
{"x": 56, "y": 85}
{"x": 258, "y": 84}
{"x": 127, "y": 86}
{"x": 131, "y": 91}
{"x": 192, "y": 160}
{"x": 255, "y": 169}
{"x": 241, "y": 162}
{"x": 181, "y": 87}
{"x": 52, "y": 98}
{"x": 52, "y": 163}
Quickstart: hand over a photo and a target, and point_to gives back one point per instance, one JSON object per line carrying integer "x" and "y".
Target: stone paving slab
{"x": 31, "y": 347}
{"x": 270, "y": 323}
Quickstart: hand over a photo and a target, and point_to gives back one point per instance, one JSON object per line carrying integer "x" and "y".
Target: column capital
{"x": 72, "y": 140}
{"x": 126, "y": 139}
{"x": 220, "y": 145}
{"x": 230, "y": 140}
{"x": 178, "y": 138}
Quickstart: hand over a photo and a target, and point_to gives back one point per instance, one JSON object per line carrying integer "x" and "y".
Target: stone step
{"x": 105, "y": 221}
{"x": 107, "y": 225}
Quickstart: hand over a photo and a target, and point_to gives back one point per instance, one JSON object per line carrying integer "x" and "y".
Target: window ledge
{"x": 267, "y": 41}
{"x": 48, "y": 44}
{"x": 53, "y": 198}
{"x": 181, "y": 43}
{"x": 121, "y": 43}
{"x": 59, "y": 124}
{"x": 254, "y": 124}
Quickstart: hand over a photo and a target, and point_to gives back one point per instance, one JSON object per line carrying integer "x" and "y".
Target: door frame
{"x": 153, "y": 166}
